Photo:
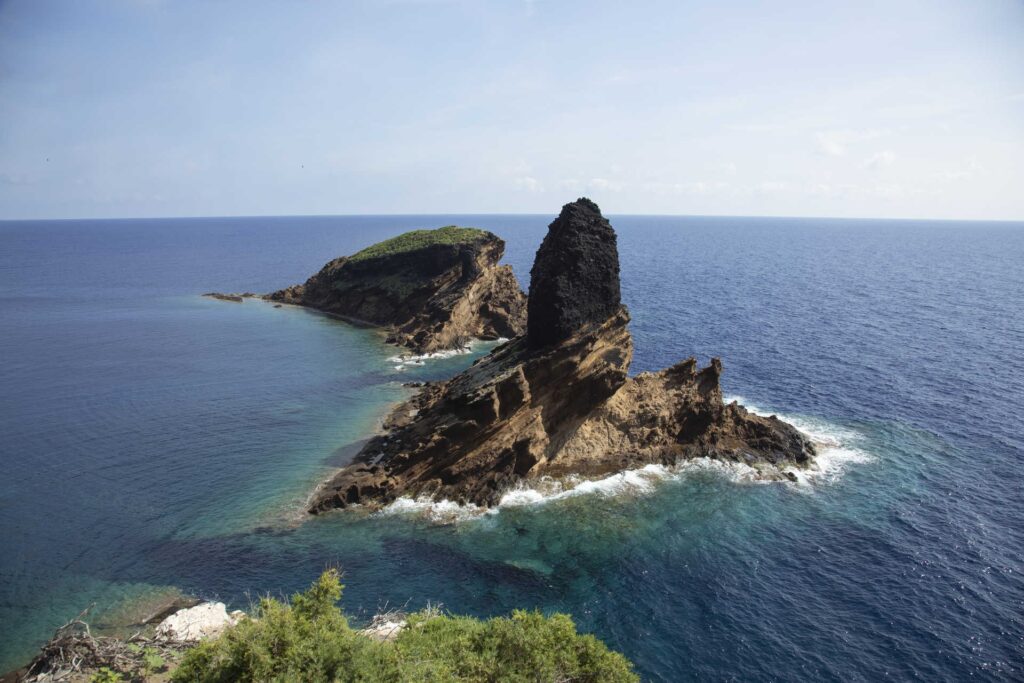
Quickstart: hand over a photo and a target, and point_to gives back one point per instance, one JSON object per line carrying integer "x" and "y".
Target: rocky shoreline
{"x": 78, "y": 652}
{"x": 429, "y": 290}
{"x": 557, "y": 400}
{"x": 554, "y": 402}
{"x": 433, "y": 290}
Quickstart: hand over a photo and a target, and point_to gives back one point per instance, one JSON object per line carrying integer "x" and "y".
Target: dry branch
{"x": 74, "y": 649}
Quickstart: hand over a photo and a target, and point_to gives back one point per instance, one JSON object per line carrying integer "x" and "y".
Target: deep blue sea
{"x": 152, "y": 441}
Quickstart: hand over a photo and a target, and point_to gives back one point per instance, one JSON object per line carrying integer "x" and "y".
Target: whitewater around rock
{"x": 557, "y": 401}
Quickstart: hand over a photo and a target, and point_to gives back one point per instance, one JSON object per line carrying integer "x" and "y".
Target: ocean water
{"x": 154, "y": 441}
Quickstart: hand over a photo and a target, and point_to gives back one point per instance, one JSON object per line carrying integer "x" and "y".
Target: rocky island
{"x": 558, "y": 400}
{"x": 433, "y": 290}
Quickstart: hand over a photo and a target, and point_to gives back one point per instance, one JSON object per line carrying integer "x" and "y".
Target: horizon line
{"x": 525, "y": 213}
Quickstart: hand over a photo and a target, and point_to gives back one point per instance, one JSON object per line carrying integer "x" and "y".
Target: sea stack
{"x": 575, "y": 276}
{"x": 558, "y": 400}
{"x": 433, "y": 290}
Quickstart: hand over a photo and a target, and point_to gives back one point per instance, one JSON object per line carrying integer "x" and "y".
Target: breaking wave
{"x": 838, "y": 448}
{"x": 437, "y": 511}
{"x": 404, "y": 360}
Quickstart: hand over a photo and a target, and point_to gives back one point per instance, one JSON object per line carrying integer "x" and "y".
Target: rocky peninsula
{"x": 558, "y": 400}
{"x": 433, "y": 290}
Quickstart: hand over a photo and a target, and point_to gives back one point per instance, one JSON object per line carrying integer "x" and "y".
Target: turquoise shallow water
{"x": 152, "y": 439}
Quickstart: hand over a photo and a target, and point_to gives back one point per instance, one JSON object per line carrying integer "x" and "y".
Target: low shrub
{"x": 418, "y": 239}
{"x": 310, "y": 640}
{"x": 106, "y": 675}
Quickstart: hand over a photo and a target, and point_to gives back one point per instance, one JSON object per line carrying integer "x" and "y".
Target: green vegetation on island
{"x": 310, "y": 640}
{"x": 418, "y": 239}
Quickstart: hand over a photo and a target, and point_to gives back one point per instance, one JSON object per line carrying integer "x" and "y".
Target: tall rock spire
{"x": 575, "y": 277}
{"x": 560, "y": 403}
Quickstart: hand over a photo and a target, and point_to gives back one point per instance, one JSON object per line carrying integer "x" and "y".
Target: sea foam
{"x": 437, "y": 511}
{"x": 401, "y": 361}
{"x": 838, "y": 448}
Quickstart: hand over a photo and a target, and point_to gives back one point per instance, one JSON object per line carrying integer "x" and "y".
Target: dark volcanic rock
{"x": 558, "y": 401}
{"x": 236, "y": 298}
{"x": 433, "y": 290}
{"x": 575, "y": 276}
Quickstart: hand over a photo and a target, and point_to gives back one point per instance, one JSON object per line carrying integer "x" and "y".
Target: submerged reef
{"x": 558, "y": 400}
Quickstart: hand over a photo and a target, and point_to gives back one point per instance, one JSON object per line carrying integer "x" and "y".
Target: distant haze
{"x": 807, "y": 108}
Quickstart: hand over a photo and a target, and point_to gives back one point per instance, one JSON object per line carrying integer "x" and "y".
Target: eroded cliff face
{"x": 436, "y": 296}
{"x": 558, "y": 400}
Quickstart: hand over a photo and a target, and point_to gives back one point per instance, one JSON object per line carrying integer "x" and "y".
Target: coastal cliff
{"x": 432, "y": 289}
{"x": 558, "y": 400}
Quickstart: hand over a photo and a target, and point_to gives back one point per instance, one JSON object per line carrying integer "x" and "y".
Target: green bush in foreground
{"x": 106, "y": 675}
{"x": 310, "y": 640}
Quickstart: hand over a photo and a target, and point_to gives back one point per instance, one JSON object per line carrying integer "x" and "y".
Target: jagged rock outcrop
{"x": 432, "y": 289}
{"x": 221, "y": 296}
{"x": 558, "y": 400}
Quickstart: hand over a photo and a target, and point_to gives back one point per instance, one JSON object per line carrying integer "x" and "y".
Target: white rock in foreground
{"x": 196, "y": 623}
{"x": 384, "y": 628}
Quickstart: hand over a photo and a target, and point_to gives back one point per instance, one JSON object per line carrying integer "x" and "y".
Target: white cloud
{"x": 830, "y": 144}
{"x": 604, "y": 185}
{"x": 772, "y": 186}
{"x": 889, "y": 191}
{"x": 520, "y": 167}
{"x": 692, "y": 188}
{"x": 835, "y": 143}
{"x": 756, "y": 127}
{"x": 15, "y": 178}
{"x": 965, "y": 172}
{"x": 879, "y": 160}
{"x": 529, "y": 183}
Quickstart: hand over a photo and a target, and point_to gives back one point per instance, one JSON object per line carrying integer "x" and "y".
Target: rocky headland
{"x": 433, "y": 290}
{"x": 558, "y": 400}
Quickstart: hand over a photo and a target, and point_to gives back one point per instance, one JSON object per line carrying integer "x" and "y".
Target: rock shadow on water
{"x": 384, "y": 561}
{"x": 344, "y": 455}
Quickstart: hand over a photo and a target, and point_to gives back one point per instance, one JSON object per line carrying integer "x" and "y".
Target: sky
{"x": 138, "y": 108}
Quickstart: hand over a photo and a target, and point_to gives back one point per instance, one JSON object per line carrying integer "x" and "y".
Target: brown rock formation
{"x": 558, "y": 402}
{"x": 432, "y": 289}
